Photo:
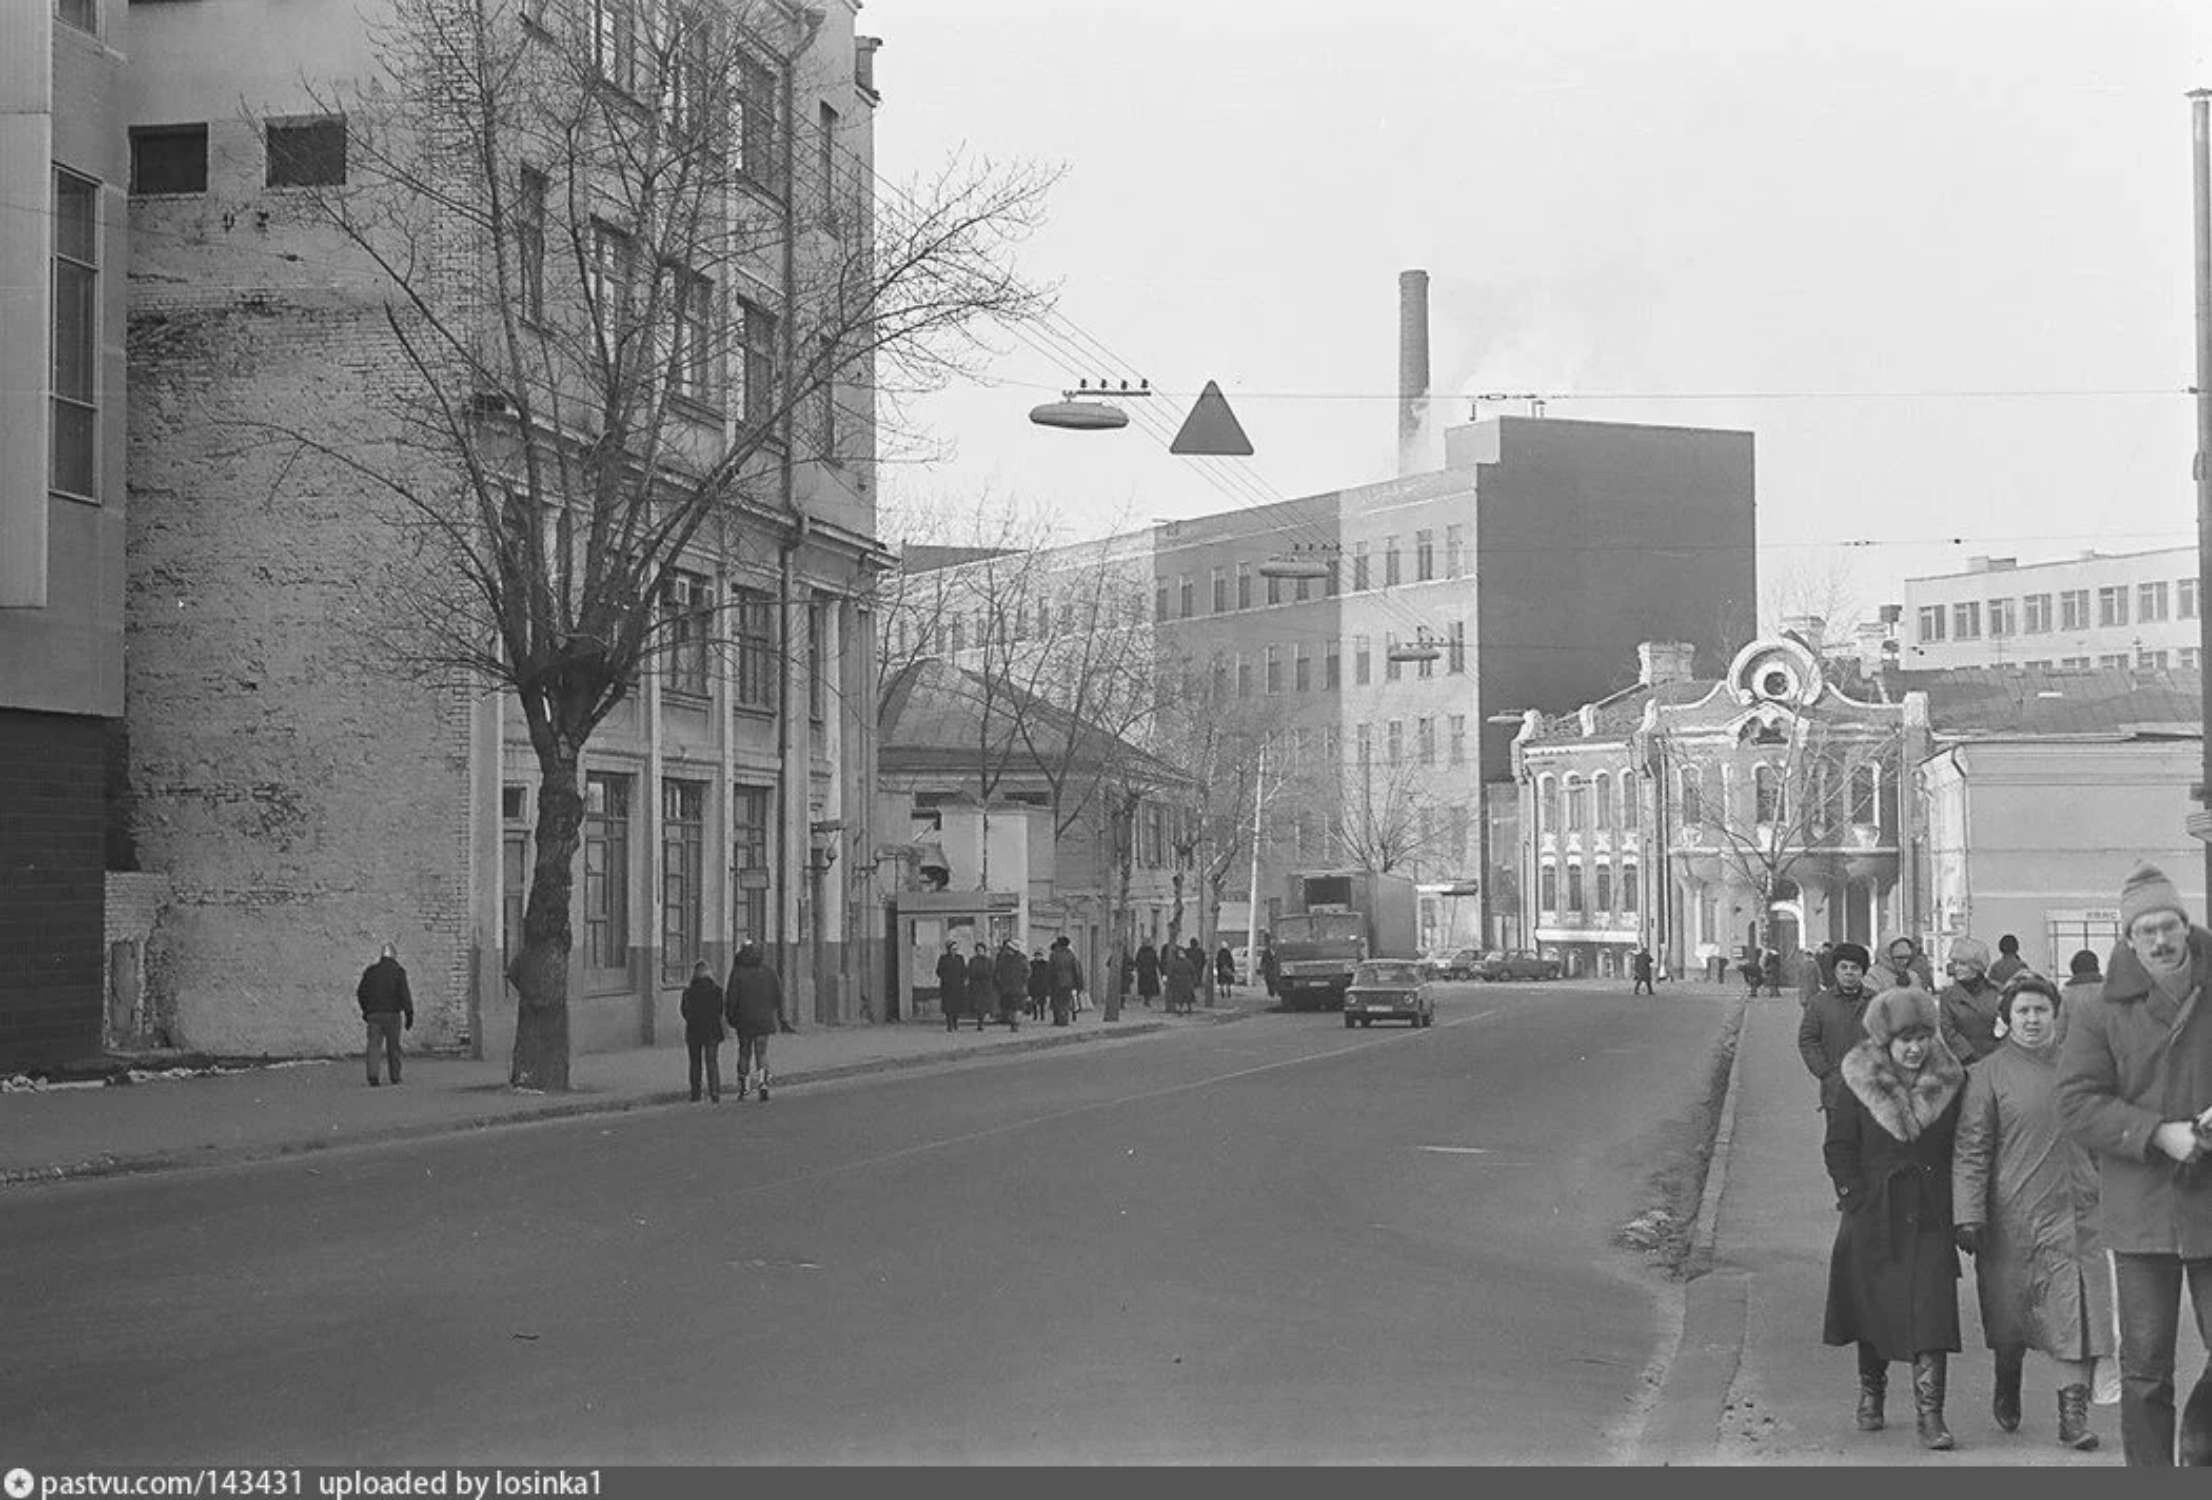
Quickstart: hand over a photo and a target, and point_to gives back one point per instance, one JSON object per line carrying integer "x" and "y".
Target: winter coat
{"x": 1828, "y": 1028}
{"x": 702, "y": 1011}
{"x": 1040, "y": 978}
{"x": 2041, "y": 1273}
{"x": 1225, "y": 968}
{"x": 1181, "y": 982}
{"x": 1970, "y": 1020}
{"x": 754, "y": 1002}
{"x": 1148, "y": 971}
{"x": 982, "y": 986}
{"x": 2131, "y": 1060}
{"x": 1010, "y": 976}
{"x": 1067, "y": 974}
{"x": 1195, "y": 956}
{"x": 952, "y": 982}
{"x": 1893, "y": 1274}
{"x": 1640, "y": 966}
{"x": 2004, "y": 968}
{"x": 383, "y": 991}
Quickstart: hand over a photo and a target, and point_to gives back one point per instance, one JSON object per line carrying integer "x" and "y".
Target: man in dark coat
{"x": 1194, "y": 954}
{"x": 1834, "y": 1021}
{"x": 1970, "y": 1002}
{"x": 1640, "y": 967}
{"x": 1770, "y": 970}
{"x": 2009, "y": 962}
{"x": 1148, "y": 973}
{"x": 702, "y": 1011}
{"x": 1270, "y": 966}
{"x": 2135, "y": 1088}
{"x": 387, "y": 1005}
{"x": 952, "y": 985}
{"x": 1225, "y": 970}
{"x": 1040, "y": 983}
{"x": 1010, "y": 978}
{"x": 982, "y": 988}
{"x": 754, "y": 1006}
{"x": 1176, "y": 974}
{"x": 1067, "y": 978}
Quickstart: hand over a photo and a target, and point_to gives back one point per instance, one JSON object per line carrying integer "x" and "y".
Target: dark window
{"x": 828, "y": 169}
{"x": 749, "y": 813}
{"x": 683, "y": 860}
{"x": 606, "y": 871}
{"x": 756, "y": 121}
{"x": 530, "y": 242}
{"x": 757, "y": 397}
{"x": 74, "y": 465}
{"x": 82, "y": 14}
{"x": 169, "y": 159}
{"x": 514, "y": 853}
{"x": 307, "y": 153}
{"x": 688, "y": 611}
{"x": 756, "y": 650}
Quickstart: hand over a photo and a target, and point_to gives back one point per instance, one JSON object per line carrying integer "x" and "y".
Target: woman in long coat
{"x": 1181, "y": 982}
{"x": 1148, "y": 973}
{"x": 2025, "y": 1197}
{"x": 1893, "y": 1275}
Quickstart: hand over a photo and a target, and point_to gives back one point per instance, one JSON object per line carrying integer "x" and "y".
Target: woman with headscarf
{"x": 2025, "y": 1198}
{"x": 1893, "y": 1275}
{"x": 1969, "y": 1003}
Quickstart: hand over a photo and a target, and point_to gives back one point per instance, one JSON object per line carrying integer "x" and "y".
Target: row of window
{"x": 1572, "y": 804}
{"x": 2032, "y": 614}
{"x": 1599, "y": 889}
{"x": 609, "y": 798}
{"x": 1279, "y": 669}
{"x": 1394, "y": 741}
{"x": 1182, "y": 592}
{"x": 688, "y": 636}
{"x": 1434, "y": 837}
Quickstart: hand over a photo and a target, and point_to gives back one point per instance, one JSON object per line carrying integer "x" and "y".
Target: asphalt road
{"x": 1278, "y": 1241}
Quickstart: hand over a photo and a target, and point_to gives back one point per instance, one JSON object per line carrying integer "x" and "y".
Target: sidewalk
{"x": 1751, "y": 1382}
{"x": 281, "y": 1110}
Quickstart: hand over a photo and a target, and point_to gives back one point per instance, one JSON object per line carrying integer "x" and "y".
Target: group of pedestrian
{"x": 752, "y": 1007}
{"x": 2057, "y": 1136}
{"x": 1173, "y": 975}
{"x": 1004, "y": 987}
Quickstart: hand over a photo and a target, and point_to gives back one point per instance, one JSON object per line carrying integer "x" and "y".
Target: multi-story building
{"x": 1519, "y": 575}
{"x": 306, "y": 796}
{"x": 2120, "y": 611}
{"x": 64, "y": 249}
{"x": 1703, "y": 817}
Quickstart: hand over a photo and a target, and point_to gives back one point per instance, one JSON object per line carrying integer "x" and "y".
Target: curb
{"x": 1684, "y": 1424}
{"x": 553, "y": 1109}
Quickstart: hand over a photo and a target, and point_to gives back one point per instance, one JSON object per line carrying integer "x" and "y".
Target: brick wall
{"x": 305, "y": 794}
{"x": 51, "y": 886}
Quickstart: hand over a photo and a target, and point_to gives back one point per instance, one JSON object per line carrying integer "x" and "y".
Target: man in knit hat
{"x": 1834, "y": 1021}
{"x": 2135, "y": 1088}
{"x": 1970, "y": 1003}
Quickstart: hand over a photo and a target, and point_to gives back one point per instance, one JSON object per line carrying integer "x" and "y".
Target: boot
{"x": 2073, "y": 1418}
{"x": 1928, "y": 1372}
{"x": 1873, "y": 1386}
{"x": 2004, "y": 1401}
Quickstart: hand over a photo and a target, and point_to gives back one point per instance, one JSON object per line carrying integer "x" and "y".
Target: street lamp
{"x": 1086, "y": 410}
{"x": 1421, "y": 648}
{"x": 1302, "y": 562}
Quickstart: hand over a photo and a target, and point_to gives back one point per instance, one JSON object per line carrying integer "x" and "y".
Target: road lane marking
{"x": 1458, "y": 1150}
{"x": 921, "y": 1147}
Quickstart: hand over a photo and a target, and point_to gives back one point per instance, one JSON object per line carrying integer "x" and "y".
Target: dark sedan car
{"x": 1388, "y": 990}
{"x": 1517, "y": 963}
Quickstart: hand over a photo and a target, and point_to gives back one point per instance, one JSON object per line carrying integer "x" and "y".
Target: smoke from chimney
{"x": 1413, "y": 371}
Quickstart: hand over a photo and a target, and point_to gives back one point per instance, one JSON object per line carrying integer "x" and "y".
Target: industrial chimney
{"x": 1413, "y": 371}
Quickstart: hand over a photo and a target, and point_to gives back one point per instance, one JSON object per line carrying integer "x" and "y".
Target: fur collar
{"x": 1903, "y": 1106}
{"x": 2127, "y": 981}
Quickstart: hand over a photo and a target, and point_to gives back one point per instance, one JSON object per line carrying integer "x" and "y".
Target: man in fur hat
{"x": 2135, "y": 1088}
{"x": 1970, "y": 1003}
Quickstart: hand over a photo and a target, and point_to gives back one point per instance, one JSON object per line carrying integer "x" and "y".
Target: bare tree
{"x": 1383, "y": 817}
{"x": 1233, "y": 750}
{"x": 623, "y": 314}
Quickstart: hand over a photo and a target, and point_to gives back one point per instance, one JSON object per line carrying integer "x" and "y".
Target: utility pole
{"x": 2199, "y": 100}
{"x": 1252, "y": 910}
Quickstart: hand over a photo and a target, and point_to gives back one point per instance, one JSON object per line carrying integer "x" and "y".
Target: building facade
{"x": 64, "y": 251}
{"x": 309, "y": 798}
{"x": 2134, "y": 611}
{"x": 1519, "y": 575}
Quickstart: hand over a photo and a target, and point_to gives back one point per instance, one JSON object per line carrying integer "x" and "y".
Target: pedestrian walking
{"x": 1749, "y": 968}
{"x": 387, "y": 1008}
{"x": 982, "y": 988}
{"x": 1010, "y": 977}
{"x": 1834, "y": 1022}
{"x": 1225, "y": 971}
{"x": 2135, "y": 1088}
{"x": 1903, "y": 964}
{"x": 1270, "y": 966}
{"x": 1039, "y": 982}
{"x": 1970, "y": 1003}
{"x": 1179, "y": 980}
{"x": 2009, "y": 962}
{"x": 703, "y": 1033}
{"x": 1770, "y": 969}
{"x": 1640, "y": 966}
{"x": 1825, "y": 959}
{"x": 754, "y": 1007}
{"x": 1893, "y": 1275}
{"x": 1148, "y": 973}
{"x": 952, "y": 985}
{"x": 1067, "y": 978}
{"x": 2083, "y": 973}
{"x": 2025, "y": 1200}
{"x": 1812, "y": 975}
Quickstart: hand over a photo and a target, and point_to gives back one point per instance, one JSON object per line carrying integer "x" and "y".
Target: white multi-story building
{"x": 2130, "y": 611}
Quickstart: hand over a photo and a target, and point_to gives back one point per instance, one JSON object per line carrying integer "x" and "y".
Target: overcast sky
{"x": 1935, "y": 254}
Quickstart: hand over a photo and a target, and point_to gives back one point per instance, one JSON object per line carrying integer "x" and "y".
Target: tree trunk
{"x": 540, "y": 970}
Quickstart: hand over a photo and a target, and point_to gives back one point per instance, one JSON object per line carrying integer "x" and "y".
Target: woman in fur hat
{"x": 1893, "y": 1276}
{"x": 2025, "y": 1198}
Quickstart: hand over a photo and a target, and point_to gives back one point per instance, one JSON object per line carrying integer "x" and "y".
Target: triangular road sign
{"x": 1211, "y": 428}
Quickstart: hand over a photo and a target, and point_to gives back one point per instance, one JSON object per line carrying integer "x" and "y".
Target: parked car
{"x": 1388, "y": 989}
{"x": 1452, "y": 963}
{"x": 1517, "y": 963}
